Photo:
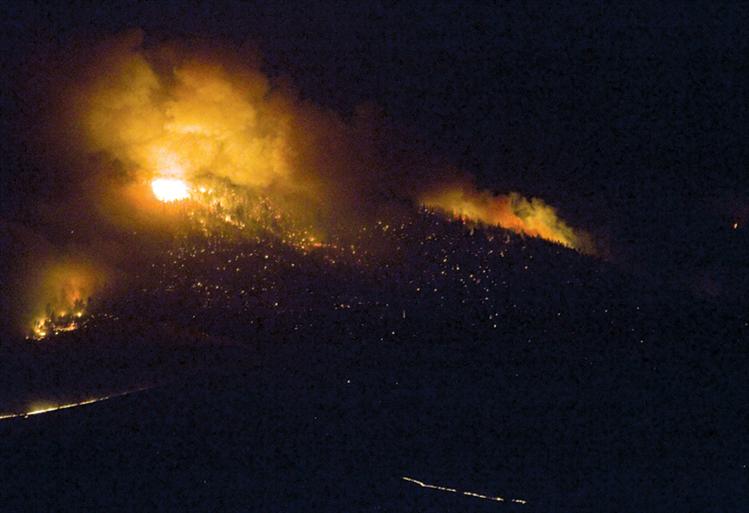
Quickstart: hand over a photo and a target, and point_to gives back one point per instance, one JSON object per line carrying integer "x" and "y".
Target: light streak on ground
{"x": 39, "y": 410}
{"x": 422, "y": 484}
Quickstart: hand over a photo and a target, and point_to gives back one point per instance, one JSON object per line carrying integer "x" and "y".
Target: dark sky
{"x": 630, "y": 118}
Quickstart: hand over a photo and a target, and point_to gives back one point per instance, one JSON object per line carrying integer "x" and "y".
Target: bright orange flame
{"x": 510, "y": 211}
{"x": 170, "y": 189}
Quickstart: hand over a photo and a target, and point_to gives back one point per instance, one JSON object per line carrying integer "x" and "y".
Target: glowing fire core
{"x": 170, "y": 189}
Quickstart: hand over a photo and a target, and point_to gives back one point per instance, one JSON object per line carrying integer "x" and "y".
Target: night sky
{"x": 613, "y": 382}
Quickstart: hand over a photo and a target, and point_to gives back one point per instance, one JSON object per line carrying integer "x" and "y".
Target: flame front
{"x": 511, "y": 211}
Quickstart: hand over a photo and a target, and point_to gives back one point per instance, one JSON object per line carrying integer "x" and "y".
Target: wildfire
{"x": 170, "y": 189}
{"x": 203, "y": 118}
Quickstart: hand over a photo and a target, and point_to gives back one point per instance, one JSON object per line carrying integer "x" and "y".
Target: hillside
{"x": 268, "y": 378}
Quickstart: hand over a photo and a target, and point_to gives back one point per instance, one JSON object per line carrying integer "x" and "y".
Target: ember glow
{"x": 54, "y": 323}
{"x": 170, "y": 189}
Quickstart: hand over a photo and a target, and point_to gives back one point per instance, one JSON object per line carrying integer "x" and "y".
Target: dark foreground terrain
{"x": 298, "y": 430}
{"x": 522, "y": 371}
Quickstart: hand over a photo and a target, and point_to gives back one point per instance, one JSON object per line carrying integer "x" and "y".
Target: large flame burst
{"x": 170, "y": 189}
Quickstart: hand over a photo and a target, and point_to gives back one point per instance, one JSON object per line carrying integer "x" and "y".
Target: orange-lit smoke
{"x": 168, "y": 117}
